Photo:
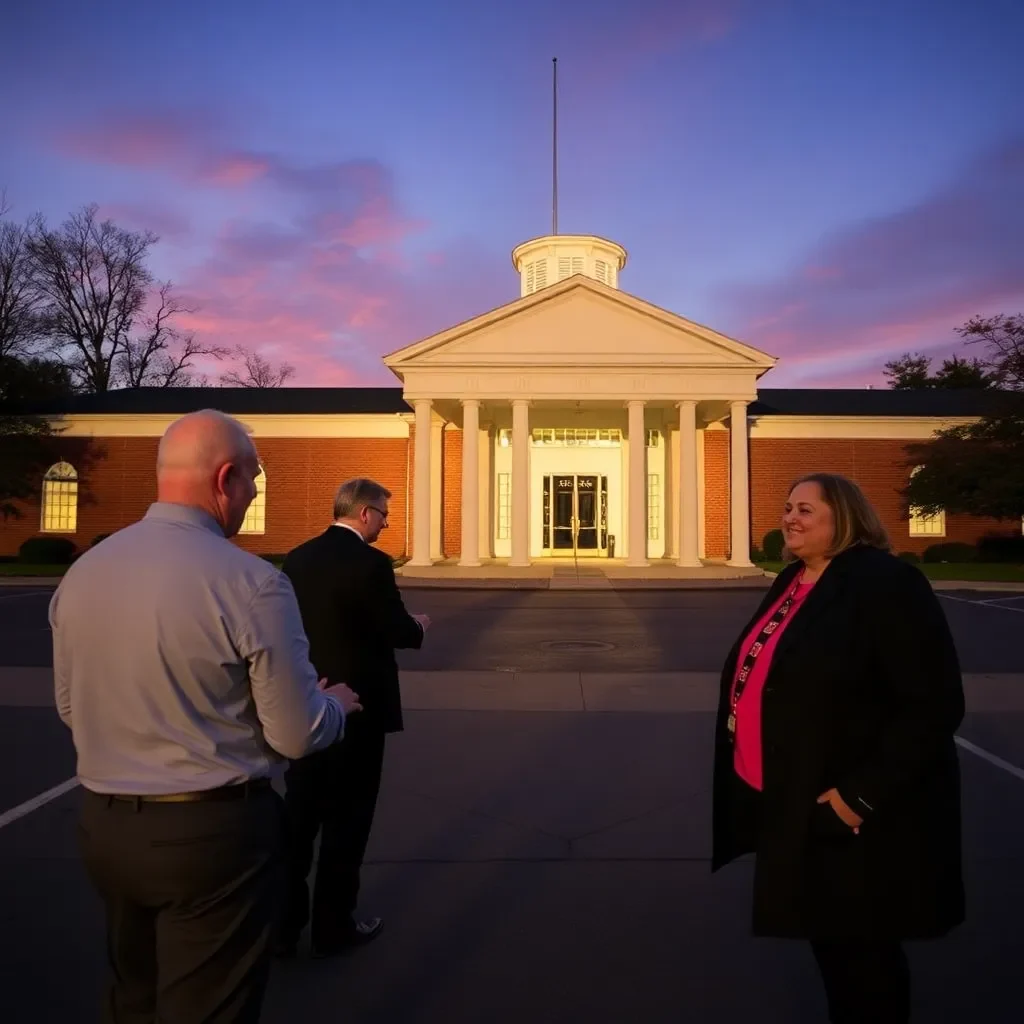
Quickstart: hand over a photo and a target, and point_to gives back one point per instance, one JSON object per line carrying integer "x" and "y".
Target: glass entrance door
{"x": 575, "y": 514}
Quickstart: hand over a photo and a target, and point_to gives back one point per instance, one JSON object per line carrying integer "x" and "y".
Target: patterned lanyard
{"x": 755, "y": 649}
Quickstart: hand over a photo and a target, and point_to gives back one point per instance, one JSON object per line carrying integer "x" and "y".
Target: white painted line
{"x": 9, "y": 817}
{"x": 983, "y": 604}
{"x": 28, "y": 593}
{"x": 1017, "y": 773}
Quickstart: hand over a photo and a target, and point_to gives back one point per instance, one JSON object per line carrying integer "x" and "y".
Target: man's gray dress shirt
{"x": 180, "y": 661}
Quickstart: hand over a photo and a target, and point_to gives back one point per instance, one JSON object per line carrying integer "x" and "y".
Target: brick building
{"x": 576, "y": 419}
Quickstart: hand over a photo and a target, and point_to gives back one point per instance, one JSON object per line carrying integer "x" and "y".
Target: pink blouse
{"x": 747, "y": 748}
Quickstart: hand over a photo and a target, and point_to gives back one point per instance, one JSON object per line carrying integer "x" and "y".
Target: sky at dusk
{"x": 833, "y": 182}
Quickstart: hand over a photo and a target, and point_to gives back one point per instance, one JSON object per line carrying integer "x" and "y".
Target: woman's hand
{"x": 842, "y": 809}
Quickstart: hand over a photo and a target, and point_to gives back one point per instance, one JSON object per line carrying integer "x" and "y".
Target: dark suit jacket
{"x": 354, "y": 618}
{"x": 864, "y": 694}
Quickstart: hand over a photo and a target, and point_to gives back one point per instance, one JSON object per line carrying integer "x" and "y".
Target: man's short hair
{"x": 353, "y": 494}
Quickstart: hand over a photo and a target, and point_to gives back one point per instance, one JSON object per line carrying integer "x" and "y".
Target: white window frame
{"x": 255, "y": 521}
{"x": 60, "y": 489}
{"x": 922, "y": 525}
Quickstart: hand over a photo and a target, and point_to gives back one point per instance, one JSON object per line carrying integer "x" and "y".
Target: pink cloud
{"x": 162, "y": 220}
{"x": 321, "y": 278}
{"x": 874, "y": 290}
{"x": 152, "y": 139}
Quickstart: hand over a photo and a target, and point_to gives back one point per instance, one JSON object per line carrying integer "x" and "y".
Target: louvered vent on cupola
{"x": 569, "y": 265}
{"x": 542, "y": 275}
{"x": 602, "y": 272}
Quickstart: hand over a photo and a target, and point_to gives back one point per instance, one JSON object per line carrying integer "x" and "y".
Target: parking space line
{"x": 27, "y": 593}
{"x": 1012, "y": 769}
{"x": 982, "y": 604}
{"x": 11, "y": 816}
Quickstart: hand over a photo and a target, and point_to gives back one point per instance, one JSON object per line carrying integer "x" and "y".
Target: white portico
{"x": 582, "y": 411}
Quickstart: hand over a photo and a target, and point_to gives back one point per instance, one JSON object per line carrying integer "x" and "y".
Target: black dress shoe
{"x": 362, "y": 932}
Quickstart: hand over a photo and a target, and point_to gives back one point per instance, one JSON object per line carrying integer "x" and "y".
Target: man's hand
{"x": 842, "y": 809}
{"x": 348, "y": 699}
{"x": 424, "y": 621}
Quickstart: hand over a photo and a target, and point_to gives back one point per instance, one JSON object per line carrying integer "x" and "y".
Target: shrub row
{"x": 996, "y": 548}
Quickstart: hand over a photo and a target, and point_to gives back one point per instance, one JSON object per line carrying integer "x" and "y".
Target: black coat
{"x": 864, "y": 694}
{"x": 354, "y": 618}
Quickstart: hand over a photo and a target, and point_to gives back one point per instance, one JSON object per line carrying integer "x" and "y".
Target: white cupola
{"x": 545, "y": 261}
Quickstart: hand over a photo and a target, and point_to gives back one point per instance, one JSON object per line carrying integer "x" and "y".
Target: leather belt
{"x": 236, "y": 791}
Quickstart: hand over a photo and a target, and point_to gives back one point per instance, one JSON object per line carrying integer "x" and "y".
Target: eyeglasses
{"x": 380, "y": 512}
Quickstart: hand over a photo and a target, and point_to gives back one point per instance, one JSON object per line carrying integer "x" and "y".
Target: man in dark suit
{"x": 354, "y": 618}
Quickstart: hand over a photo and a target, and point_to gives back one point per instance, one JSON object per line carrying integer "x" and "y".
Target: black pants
{"x": 866, "y": 982}
{"x": 191, "y": 892}
{"x": 334, "y": 793}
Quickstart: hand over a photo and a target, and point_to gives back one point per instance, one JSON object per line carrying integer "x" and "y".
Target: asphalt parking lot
{"x": 543, "y": 865}
{"x": 649, "y": 631}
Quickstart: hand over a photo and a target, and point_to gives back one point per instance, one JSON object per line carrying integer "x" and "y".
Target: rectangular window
{"x": 927, "y": 526}
{"x": 573, "y": 437}
{"x": 256, "y": 515}
{"x": 60, "y": 506}
{"x": 504, "y": 506}
{"x": 653, "y": 506}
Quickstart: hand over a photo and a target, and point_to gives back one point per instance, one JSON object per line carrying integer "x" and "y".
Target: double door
{"x": 575, "y": 514}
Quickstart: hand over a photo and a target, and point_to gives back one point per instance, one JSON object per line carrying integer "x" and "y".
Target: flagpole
{"x": 554, "y": 147}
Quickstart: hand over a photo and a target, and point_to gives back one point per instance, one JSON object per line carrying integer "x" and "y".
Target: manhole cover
{"x": 577, "y": 645}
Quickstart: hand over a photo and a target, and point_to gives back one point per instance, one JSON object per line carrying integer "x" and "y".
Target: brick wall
{"x": 877, "y": 466}
{"x": 451, "y": 503}
{"x": 716, "y": 494}
{"x": 302, "y": 475}
{"x": 117, "y": 484}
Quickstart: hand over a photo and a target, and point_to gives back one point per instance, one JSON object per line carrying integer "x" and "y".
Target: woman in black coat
{"x": 834, "y": 754}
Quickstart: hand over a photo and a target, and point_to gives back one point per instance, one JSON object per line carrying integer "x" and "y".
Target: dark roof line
{"x": 379, "y": 400}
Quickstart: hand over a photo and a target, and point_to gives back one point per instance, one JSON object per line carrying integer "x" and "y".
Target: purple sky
{"x": 833, "y": 182}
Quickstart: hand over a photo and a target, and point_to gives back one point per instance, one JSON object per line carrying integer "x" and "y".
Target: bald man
{"x": 182, "y": 669}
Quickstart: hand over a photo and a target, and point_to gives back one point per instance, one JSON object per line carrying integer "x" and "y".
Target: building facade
{"x": 576, "y": 421}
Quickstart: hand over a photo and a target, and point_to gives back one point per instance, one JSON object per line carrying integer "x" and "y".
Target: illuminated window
{"x": 256, "y": 517}
{"x": 922, "y": 525}
{"x": 504, "y": 507}
{"x": 653, "y": 506}
{"x": 60, "y": 499}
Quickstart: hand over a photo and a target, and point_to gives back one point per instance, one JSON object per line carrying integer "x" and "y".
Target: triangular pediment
{"x": 579, "y": 322}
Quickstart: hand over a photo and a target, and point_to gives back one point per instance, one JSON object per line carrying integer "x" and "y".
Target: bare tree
{"x": 19, "y": 300}
{"x": 1004, "y": 337}
{"x": 95, "y": 289}
{"x": 94, "y": 283}
{"x": 161, "y": 356}
{"x": 258, "y": 372}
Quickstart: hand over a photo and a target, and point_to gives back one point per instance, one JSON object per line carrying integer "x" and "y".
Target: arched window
{"x": 922, "y": 525}
{"x": 256, "y": 517}
{"x": 60, "y": 499}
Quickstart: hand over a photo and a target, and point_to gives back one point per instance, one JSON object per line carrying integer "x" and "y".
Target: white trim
{"x": 821, "y": 428}
{"x": 376, "y": 425}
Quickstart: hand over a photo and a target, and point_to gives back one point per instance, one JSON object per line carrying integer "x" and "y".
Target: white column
{"x": 470, "y": 548}
{"x": 637, "y": 552}
{"x": 689, "y": 546}
{"x": 520, "y": 482}
{"x": 421, "y": 485}
{"x": 436, "y": 488}
{"x": 739, "y": 487}
{"x": 486, "y": 447}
